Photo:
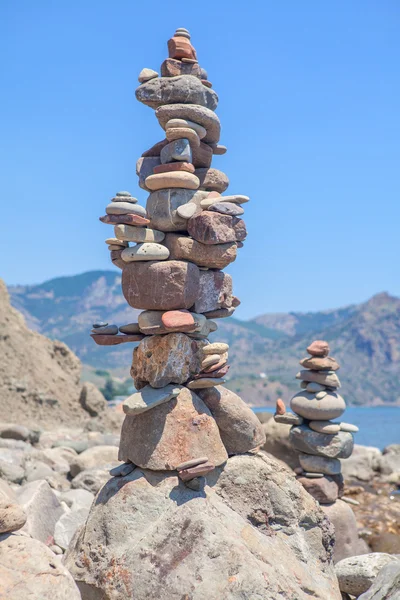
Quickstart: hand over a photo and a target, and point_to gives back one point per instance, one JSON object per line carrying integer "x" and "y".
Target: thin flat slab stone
{"x": 319, "y": 464}
{"x": 130, "y": 328}
{"x": 106, "y": 329}
{"x": 220, "y": 371}
{"x": 192, "y": 463}
{"x": 320, "y": 363}
{"x": 221, "y": 363}
{"x": 327, "y": 378}
{"x": 151, "y": 322}
{"x": 220, "y": 313}
{"x": 145, "y": 251}
{"x": 124, "y": 197}
{"x": 324, "y": 427}
{"x": 148, "y": 398}
{"x": 204, "y": 382}
{"x": 117, "y": 242}
{"x": 125, "y": 208}
{"x": 125, "y": 220}
{"x": 313, "y": 475}
{"x": 122, "y": 470}
{"x": 114, "y": 340}
{"x": 192, "y": 112}
{"x": 216, "y": 348}
{"x": 210, "y": 360}
{"x": 198, "y": 471}
{"x": 174, "y": 179}
{"x": 227, "y": 208}
{"x": 289, "y": 419}
{"x": 129, "y": 233}
{"x": 349, "y": 427}
{"x": 235, "y": 199}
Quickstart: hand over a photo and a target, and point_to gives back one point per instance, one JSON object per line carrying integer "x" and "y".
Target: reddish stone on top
{"x": 318, "y": 348}
{"x": 182, "y": 319}
{"x": 280, "y": 407}
{"x": 180, "y": 47}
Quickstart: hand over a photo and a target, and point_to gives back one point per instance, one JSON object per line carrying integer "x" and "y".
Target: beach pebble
{"x": 319, "y": 464}
{"x": 308, "y": 406}
{"x": 326, "y": 378}
{"x": 145, "y": 251}
{"x": 318, "y": 348}
{"x": 288, "y": 419}
{"x": 173, "y": 179}
{"x": 129, "y": 233}
{"x": 185, "y": 123}
{"x": 125, "y": 208}
{"x": 320, "y": 363}
{"x": 324, "y": 426}
{"x": 313, "y": 387}
{"x": 216, "y": 348}
{"x": 348, "y": 427}
{"x": 130, "y": 328}
{"x": 146, "y": 75}
{"x": 204, "y": 382}
{"x": 106, "y": 330}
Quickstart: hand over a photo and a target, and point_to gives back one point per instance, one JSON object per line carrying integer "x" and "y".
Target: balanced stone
{"x": 176, "y": 150}
{"x": 174, "y": 166}
{"x": 180, "y": 132}
{"x": 192, "y": 112}
{"x": 216, "y": 366}
{"x": 217, "y": 256}
{"x": 101, "y": 324}
{"x": 328, "y": 378}
{"x": 162, "y": 207}
{"x": 210, "y": 360}
{"x": 213, "y": 228}
{"x": 227, "y": 208}
{"x": 148, "y": 398}
{"x": 161, "y": 285}
{"x": 280, "y": 407}
{"x": 202, "y": 156}
{"x": 115, "y": 247}
{"x": 220, "y": 313}
{"x": 114, "y": 340}
{"x": 149, "y": 440}
{"x": 145, "y": 251}
{"x": 174, "y": 90}
{"x": 304, "y": 439}
{"x": 125, "y": 208}
{"x": 185, "y": 124}
{"x": 307, "y": 406}
{"x": 320, "y": 363}
{"x": 130, "y": 219}
{"x": 324, "y": 489}
{"x": 215, "y": 291}
{"x": 236, "y": 199}
{"x": 216, "y": 348}
{"x": 289, "y": 419}
{"x": 198, "y": 471}
{"x": 174, "y": 179}
{"x": 128, "y": 233}
{"x": 151, "y": 322}
{"x": 319, "y": 464}
{"x": 106, "y": 330}
{"x": 124, "y": 197}
{"x": 187, "y": 210}
{"x": 240, "y": 429}
{"x": 220, "y": 371}
{"x": 192, "y": 463}
{"x": 320, "y": 395}
{"x": 163, "y": 359}
{"x": 318, "y": 348}
{"x": 172, "y": 68}
{"x": 204, "y": 382}
{"x": 117, "y": 242}
{"x": 324, "y": 426}
{"x": 130, "y": 328}
{"x": 348, "y": 427}
{"x": 146, "y": 75}
{"x": 313, "y": 387}
{"x": 145, "y": 166}
{"x": 212, "y": 179}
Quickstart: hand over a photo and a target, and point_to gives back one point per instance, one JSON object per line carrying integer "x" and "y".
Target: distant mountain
{"x": 264, "y": 352}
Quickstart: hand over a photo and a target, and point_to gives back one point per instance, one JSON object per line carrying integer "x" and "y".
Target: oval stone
{"x": 185, "y": 123}
{"x": 129, "y": 233}
{"x": 324, "y": 426}
{"x": 146, "y": 251}
{"x": 125, "y": 208}
{"x": 306, "y": 405}
{"x": 216, "y": 348}
{"x": 319, "y": 464}
{"x": 174, "y": 179}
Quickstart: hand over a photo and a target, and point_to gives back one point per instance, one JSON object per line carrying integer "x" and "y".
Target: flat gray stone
{"x": 176, "y": 150}
{"x": 125, "y": 208}
{"x": 227, "y": 208}
{"x": 289, "y": 419}
{"x": 326, "y": 378}
{"x": 148, "y": 398}
{"x": 304, "y": 439}
{"x": 319, "y": 464}
{"x": 308, "y": 406}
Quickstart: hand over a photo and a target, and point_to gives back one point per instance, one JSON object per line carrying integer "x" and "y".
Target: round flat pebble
{"x": 124, "y": 197}
{"x": 236, "y": 199}
{"x": 204, "y": 382}
{"x": 145, "y": 251}
{"x": 318, "y": 348}
{"x": 174, "y": 179}
{"x": 218, "y": 149}
{"x": 184, "y": 123}
{"x": 210, "y": 360}
{"x": 101, "y": 324}
{"x": 130, "y": 328}
{"x": 324, "y": 426}
{"x": 116, "y": 242}
{"x": 125, "y": 208}
{"x": 178, "y": 133}
{"x": 320, "y": 395}
{"x": 216, "y": 348}
{"x": 176, "y": 166}
{"x": 349, "y": 427}
{"x": 227, "y": 208}
{"x": 173, "y": 319}
{"x": 313, "y": 387}
{"x": 187, "y": 210}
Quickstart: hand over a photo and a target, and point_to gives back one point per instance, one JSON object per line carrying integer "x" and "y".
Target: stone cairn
{"x": 181, "y": 418}
{"x": 319, "y": 441}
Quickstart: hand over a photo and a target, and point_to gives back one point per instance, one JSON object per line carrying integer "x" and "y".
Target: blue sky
{"x": 309, "y": 105}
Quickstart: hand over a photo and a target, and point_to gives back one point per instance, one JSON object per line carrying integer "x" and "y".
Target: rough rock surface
{"x": 306, "y": 440}
{"x": 163, "y": 359}
{"x": 277, "y": 441}
{"x": 386, "y": 586}
{"x": 29, "y": 570}
{"x": 356, "y": 574}
{"x": 239, "y": 427}
{"x": 183, "y": 247}
{"x": 252, "y": 532}
{"x": 172, "y": 433}
{"x": 42, "y": 509}
{"x": 185, "y": 89}
{"x": 166, "y": 285}
{"x": 346, "y": 534}
{"x": 215, "y": 291}
{"x": 39, "y": 378}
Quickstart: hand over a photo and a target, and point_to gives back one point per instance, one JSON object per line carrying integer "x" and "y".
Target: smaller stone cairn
{"x": 319, "y": 440}
{"x": 181, "y": 418}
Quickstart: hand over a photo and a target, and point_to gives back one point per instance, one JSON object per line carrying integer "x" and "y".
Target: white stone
{"x": 145, "y": 251}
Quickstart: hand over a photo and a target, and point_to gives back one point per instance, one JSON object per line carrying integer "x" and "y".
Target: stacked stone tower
{"x": 319, "y": 441}
{"x": 181, "y": 418}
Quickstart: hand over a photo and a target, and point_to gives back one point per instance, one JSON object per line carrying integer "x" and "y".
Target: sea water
{"x": 379, "y": 425}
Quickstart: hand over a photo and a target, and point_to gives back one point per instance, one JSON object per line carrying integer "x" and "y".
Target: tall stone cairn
{"x": 181, "y": 418}
{"x": 319, "y": 441}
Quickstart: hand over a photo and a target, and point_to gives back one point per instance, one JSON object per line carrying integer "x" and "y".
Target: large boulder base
{"x": 252, "y": 532}
{"x": 172, "y": 433}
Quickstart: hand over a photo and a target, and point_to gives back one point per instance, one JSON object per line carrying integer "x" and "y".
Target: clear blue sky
{"x": 309, "y": 104}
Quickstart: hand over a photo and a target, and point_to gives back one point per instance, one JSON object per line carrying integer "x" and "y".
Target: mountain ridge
{"x": 264, "y": 351}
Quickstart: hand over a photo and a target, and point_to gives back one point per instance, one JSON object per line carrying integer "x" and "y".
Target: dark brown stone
{"x": 212, "y": 179}
{"x": 160, "y": 285}
{"x": 125, "y": 220}
{"x": 214, "y": 228}
{"x": 173, "y": 68}
{"x": 114, "y": 340}
{"x": 206, "y": 83}
{"x": 217, "y": 373}
{"x": 182, "y": 247}
{"x": 116, "y": 259}
{"x": 202, "y": 155}
{"x": 239, "y": 427}
{"x": 176, "y": 166}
